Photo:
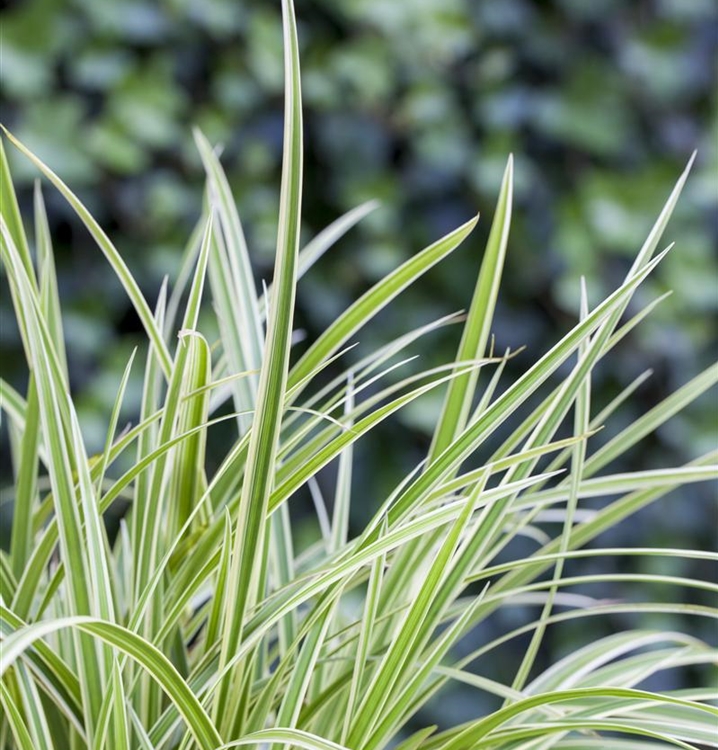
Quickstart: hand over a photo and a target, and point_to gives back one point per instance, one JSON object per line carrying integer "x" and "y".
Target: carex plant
{"x": 197, "y": 625}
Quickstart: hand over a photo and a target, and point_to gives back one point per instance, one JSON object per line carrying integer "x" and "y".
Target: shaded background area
{"x": 417, "y": 103}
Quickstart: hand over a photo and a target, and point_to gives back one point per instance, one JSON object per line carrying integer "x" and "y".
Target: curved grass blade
{"x": 484, "y": 728}
{"x": 373, "y": 301}
{"x": 289, "y": 737}
{"x": 113, "y": 256}
{"x": 138, "y": 649}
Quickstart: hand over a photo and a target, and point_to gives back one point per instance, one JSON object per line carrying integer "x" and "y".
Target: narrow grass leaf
{"x": 580, "y": 427}
{"x": 26, "y": 495}
{"x": 34, "y": 710}
{"x": 233, "y": 287}
{"x": 401, "y": 649}
{"x": 147, "y": 655}
{"x": 652, "y": 419}
{"x": 477, "y": 328}
{"x": 220, "y": 589}
{"x": 11, "y": 213}
{"x": 257, "y": 485}
{"x": 14, "y": 717}
{"x": 54, "y": 403}
{"x": 113, "y": 256}
{"x": 289, "y": 737}
{"x": 49, "y": 292}
{"x": 375, "y": 300}
{"x": 484, "y": 728}
{"x": 366, "y": 633}
{"x": 509, "y": 401}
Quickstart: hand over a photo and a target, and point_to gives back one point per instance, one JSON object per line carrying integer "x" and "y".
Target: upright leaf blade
{"x": 477, "y": 328}
{"x": 11, "y": 212}
{"x": 233, "y": 285}
{"x": 248, "y": 552}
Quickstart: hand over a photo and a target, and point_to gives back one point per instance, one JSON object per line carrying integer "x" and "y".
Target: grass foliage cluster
{"x": 198, "y": 626}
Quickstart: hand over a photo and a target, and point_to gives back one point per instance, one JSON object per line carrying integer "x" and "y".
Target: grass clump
{"x": 198, "y": 626}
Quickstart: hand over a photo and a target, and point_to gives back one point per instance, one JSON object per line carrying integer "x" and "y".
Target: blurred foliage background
{"x": 417, "y": 103}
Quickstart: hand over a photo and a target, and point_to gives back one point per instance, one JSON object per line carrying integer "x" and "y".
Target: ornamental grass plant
{"x": 198, "y": 625}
